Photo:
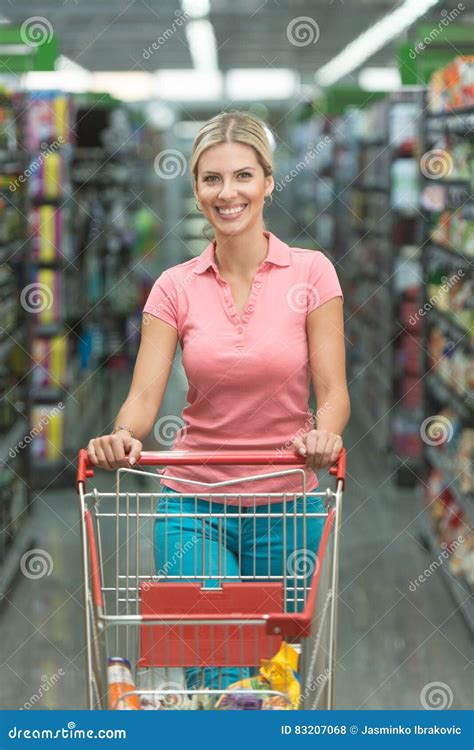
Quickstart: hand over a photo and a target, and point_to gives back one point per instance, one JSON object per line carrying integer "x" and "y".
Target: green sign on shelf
{"x": 32, "y": 46}
{"x": 433, "y": 47}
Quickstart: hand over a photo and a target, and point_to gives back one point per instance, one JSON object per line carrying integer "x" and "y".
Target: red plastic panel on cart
{"x": 190, "y": 645}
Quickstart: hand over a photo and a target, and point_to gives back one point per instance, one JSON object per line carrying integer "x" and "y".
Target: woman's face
{"x": 231, "y": 187}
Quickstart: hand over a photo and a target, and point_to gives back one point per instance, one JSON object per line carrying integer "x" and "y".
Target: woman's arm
{"x": 150, "y": 376}
{"x": 138, "y": 412}
{"x": 327, "y": 361}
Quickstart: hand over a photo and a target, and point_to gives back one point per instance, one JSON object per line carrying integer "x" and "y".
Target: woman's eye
{"x": 245, "y": 174}
{"x": 210, "y": 177}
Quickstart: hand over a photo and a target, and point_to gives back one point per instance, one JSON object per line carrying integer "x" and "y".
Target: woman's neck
{"x": 242, "y": 254}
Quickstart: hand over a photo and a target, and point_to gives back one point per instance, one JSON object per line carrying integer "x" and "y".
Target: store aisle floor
{"x": 42, "y": 648}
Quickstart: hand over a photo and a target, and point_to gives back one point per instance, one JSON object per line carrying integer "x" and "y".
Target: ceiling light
{"x": 61, "y": 80}
{"x": 371, "y": 40}
{"x": 202, "y": 45}
{"x": 261, "y": 83}
{"x": 188, "y": 85}
{"x": 130, "y": 86}
{"x": 379, "y": 79}
{"x": 195, "y": 8}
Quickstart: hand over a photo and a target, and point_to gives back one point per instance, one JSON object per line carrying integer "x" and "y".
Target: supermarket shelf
{"x": 48, "y": 395}
{"x": 462, "y": 182}
{"x": 10, "y": 567}
{"x": 442, "y": 462}
{"x": 371, "y": 187}
{"x": 382, "y": 141}
{"x": 450, "y": 254}
{"x": 5, "y": 347}
{"x": 463, "y": 112}
{"x": 16, "y": 433}
{"x": 455, "y": 121}
{"x": 459, "y": 588}
{"x": 10, "y": 251}
{"x": 370, "y": 229}
{"x": 49, "y": 329}
{"x": 449, "y": 324}
{"x": 12, "y": 158}
{"x": 447, "y": 396}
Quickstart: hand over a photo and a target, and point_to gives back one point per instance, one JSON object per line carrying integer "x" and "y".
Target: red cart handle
{"x": 339, "y": 468}
{"x": 188, "y": 458}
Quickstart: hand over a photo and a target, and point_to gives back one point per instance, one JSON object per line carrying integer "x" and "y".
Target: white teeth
{"x": 229, "y": 211}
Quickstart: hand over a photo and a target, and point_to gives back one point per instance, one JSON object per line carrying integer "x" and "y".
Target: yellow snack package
{"x": 280, "y": 672}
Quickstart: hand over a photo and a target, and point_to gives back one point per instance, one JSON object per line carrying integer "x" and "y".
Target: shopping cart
{"x": 163, "y": 621}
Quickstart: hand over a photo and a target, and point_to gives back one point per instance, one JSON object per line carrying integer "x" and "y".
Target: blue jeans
{"x": 266, "y": 548}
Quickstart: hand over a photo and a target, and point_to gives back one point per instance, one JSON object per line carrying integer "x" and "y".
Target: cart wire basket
{"x": 195, "y": 631}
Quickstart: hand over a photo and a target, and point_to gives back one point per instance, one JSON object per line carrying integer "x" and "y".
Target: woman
{"x": 256, "y": 320}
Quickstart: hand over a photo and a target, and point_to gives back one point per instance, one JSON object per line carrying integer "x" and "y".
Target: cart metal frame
{"x": 128, "y": 606}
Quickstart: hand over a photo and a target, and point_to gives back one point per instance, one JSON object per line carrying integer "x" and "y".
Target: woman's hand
{"x": 115, "y": 451}
{"x": 320, "y": 447}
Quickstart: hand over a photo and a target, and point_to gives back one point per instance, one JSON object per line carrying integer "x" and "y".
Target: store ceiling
{"x": 113, "y": 34}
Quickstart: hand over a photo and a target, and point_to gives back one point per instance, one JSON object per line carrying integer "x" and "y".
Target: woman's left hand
{"x": 320, "y": 447}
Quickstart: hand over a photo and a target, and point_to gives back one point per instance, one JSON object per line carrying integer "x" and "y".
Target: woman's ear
{"x": 269, "y": 184}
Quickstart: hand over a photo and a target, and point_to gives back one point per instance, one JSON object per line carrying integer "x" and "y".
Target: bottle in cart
{"x": 154, "y": 679}
{"x": 120, "y": 681}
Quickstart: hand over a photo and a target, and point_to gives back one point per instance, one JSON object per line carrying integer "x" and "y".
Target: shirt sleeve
{"x": 162, "y": 301}
{"x": 323, "y": 282}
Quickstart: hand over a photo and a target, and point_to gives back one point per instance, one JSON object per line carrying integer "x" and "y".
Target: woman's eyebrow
{"x": 235, "y": 171}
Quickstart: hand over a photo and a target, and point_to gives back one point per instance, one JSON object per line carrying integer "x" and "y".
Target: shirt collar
{"x": 278, "y": 254}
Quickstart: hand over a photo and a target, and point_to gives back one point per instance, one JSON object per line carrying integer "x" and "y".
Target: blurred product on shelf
{"x": 452, "y": 87}
{"x": 452, "y": 532}
{"x": 454, "y": 232}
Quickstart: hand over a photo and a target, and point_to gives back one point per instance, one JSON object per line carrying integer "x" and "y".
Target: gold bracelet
{"x": 122, "y": 427}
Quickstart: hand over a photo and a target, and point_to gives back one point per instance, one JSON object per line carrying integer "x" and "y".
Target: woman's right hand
{"x": 116, "y": 451}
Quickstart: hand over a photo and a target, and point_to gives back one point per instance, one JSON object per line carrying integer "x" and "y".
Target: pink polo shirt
{"x": 249, "y": 377}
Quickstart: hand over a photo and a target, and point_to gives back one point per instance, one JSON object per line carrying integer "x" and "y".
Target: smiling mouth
{"x": 231, "y": 211}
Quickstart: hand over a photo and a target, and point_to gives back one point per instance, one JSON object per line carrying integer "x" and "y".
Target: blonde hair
{"x": 233, "y": 127}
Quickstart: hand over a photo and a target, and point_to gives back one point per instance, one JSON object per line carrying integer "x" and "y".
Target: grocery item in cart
{"x": 153, "y": 680}
{"x": 281, "y": 672}
{"x": 241, "y": 701}
{"x": 277, "y": 674}
{"x": 120, "y": 682}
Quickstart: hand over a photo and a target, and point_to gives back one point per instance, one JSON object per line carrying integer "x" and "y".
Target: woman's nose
{"x": 227, "y": 190}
